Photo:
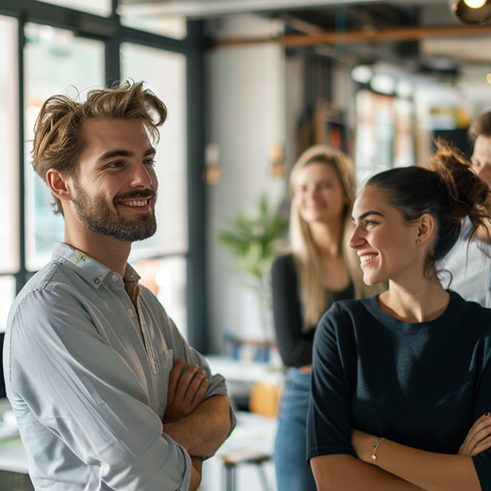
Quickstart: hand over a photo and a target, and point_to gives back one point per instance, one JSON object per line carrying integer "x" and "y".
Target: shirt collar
{"x": 88, "y": 268}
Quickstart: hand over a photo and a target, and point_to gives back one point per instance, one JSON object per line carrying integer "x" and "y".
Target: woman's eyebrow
{"x": 364, "y": 215}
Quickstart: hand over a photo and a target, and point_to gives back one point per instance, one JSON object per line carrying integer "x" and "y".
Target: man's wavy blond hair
{"x": 58, "y": 136}
{"x": 313, "y": 296}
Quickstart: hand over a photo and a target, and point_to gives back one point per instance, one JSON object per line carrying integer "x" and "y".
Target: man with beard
{"x": 106, "y": 392}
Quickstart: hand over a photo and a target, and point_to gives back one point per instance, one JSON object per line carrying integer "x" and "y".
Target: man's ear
{"x": 60, "y": 184}
{"x": 426, "y": 228}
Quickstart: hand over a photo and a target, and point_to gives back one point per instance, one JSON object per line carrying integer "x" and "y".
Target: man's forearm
{"x": 197, "y": 463}
{"x": 205, "y": 429}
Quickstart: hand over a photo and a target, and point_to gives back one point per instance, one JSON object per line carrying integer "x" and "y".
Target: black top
{"x": 294, "y": 344}
{"x": 419, "y": 384}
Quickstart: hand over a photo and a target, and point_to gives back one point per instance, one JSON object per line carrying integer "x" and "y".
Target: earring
{"x": 418, "y": 241}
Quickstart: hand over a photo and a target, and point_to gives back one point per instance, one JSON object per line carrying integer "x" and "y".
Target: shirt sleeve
{"x": 482, "y": 461}
{"x": 294, "y": 345}
{"x": 63, "y": 380}
{"x": 329, "y": 416}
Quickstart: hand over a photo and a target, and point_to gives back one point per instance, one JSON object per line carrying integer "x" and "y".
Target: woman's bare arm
{"x": 402, "y": 468}
{"x": 346, "y": 473}
{"x": 428, "y": 470}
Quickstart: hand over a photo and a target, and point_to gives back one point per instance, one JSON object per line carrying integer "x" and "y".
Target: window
{"x": 165, "y": 74}
{"x": 56, "y": 62}
{"x": 9, "y": 122}
{"x": 97, "y": 7}
{"x": 81, "y": 44}
{"x": 137, "y": 17}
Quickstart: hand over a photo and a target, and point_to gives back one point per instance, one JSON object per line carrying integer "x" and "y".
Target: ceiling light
{"x": 383, "y": 83}
{"x": 475, "y": 4}
{"x": 362, "y": 74}
{"x": 471, "y": 11}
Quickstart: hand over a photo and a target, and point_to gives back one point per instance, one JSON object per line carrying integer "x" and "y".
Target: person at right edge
{"x": 470, "y": 262}
{"x": 318, "y": 269}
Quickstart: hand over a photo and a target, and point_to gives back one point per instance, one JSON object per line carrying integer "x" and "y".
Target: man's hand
{"x": 186, "y": 391}
{"x": 479, "y": 437}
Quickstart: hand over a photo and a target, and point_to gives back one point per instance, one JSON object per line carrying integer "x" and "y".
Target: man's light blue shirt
{"x": 87, "y": 376}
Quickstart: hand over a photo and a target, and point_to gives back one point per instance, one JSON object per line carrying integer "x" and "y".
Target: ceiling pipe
{"x": 407, "y": 34}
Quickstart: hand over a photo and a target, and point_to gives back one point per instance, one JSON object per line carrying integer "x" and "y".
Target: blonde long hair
{"x": 306, "y": 254}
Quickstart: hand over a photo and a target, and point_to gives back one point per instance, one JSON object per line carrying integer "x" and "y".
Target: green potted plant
{"x": 254, "y": 241}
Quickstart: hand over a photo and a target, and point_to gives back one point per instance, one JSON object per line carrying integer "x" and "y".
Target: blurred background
{"x": 249, "y": 85}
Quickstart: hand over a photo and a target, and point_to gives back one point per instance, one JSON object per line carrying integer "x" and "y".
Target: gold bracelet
{"x": 375, "y": 446}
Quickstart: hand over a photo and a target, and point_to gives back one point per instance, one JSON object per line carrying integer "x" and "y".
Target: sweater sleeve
{"x": 482, "y": 461}
{"x": 294, "y": 345}
{"x": 329, "y": 419}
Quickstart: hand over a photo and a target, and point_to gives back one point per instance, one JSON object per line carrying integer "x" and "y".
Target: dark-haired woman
{"x": 401, "y": 382}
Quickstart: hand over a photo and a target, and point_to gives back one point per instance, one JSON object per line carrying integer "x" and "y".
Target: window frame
{"x": 112, "y": 33}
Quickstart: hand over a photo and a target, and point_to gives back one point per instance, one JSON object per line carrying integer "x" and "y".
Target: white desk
{"x": 13, "y": 457}
{"x": 241, "y": 375}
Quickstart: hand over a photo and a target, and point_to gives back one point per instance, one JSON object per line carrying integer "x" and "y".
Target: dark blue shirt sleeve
{"x": 482, "y": 461}
{"x": 294, "y": 345}
{"x": 329, "y": 418}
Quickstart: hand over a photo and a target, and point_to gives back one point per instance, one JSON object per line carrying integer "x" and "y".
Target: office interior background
{"x": 248, "y": 86}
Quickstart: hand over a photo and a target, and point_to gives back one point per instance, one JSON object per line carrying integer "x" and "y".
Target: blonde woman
{"x": 318, "y": 270}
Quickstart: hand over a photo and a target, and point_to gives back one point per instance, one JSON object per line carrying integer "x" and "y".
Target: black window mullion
{"x": 22, "y": 276}
{"x": 196, "y": 303}
{"x": 113, "y": 61}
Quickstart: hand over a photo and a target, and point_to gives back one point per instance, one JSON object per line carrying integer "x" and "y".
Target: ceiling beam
{"x": 407, "y": 34}
{"x": 201, "y": 8}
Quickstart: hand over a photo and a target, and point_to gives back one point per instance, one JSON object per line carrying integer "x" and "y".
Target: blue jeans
{"x": 292, "y": 471}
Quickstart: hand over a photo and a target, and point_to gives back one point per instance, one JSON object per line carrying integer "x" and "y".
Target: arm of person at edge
{"x": 294, "y": 347}
{"x": 429, "y": 470}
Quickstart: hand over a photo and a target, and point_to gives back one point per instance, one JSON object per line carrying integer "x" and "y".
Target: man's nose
{"x": 142, "y": 177}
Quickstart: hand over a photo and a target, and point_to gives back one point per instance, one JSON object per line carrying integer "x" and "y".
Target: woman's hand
{"x": 479, "y": 437}
{"x": 185, "y": 391}
{"x": 363, "y": 445}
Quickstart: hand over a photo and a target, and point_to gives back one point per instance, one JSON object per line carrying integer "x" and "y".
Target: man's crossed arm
{"x": 200, "y": 426}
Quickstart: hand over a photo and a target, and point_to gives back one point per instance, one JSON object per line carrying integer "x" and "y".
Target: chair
{"x": 263, "y": 400}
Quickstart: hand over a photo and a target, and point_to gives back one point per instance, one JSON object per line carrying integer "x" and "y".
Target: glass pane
{"x": 165, "y": 74}
{"x": 166, "y": 279}
{"x": 56, "y": 62}
{"x": 9, "y": 137}
{"x": 97, "y": 7}
{"x": 7, "y": 295}
{"x": 172, "y": 27}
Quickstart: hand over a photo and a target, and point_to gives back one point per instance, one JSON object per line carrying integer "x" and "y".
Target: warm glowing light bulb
{"x": 488, "y": 78}
{"x": 475, "y": 4}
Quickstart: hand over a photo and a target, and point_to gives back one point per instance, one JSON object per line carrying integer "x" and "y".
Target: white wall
{"x": 246, "y": 117}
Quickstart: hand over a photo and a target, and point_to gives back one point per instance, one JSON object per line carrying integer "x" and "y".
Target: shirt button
{"x": 114, "y": 277}
{"x": 130, "y": 312}
{"x": 97, "y": 281}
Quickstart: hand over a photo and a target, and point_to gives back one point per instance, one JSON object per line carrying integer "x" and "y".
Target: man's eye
{"x": 113, "y": 165}
{"x": 149, "y": 162}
